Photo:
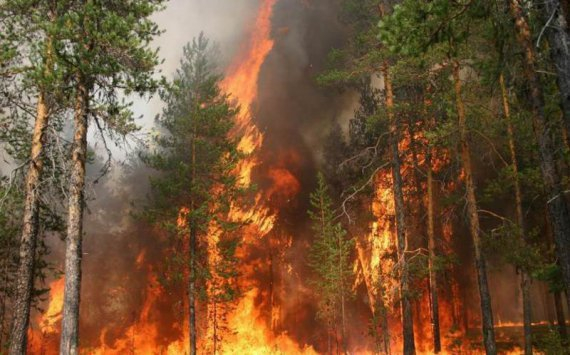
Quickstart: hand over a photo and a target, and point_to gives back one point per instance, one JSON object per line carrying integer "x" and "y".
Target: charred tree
{"x": 556, "y": 203}
{"x": 473, "y": 216}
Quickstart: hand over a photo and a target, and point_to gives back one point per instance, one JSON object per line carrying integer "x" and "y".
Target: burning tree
{"x": 192, "y": 195}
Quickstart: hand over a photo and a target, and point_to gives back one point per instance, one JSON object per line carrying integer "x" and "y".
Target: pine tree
{"x": 105, "y": 46}
{"x": 444, "y": 32}
{"x": 329, "y": 258}
{"x": 196, "y": 159}
{"x": 557, "y": 207}
{"x": 28, "y": 68}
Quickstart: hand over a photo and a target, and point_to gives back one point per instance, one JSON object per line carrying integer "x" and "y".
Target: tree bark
{"x": 559, "y": 40}
{"x": 432, "y": 273}
{"x": 407, "y": 316}
{"x": 73, "y": 252}
{"x": 557, "y": 207}
{"x": 30, "y": 224}
{"x": 560, "y": 319}
{"x": 525, "y": 278}
{"x": 342, "y": 301}
{"x": 565, "y": 4}
{"x": 474, "y": 228}
{"x": 192, "y": 292}
{"x": 382, "y": 311}
{"x": 431, "y": 260}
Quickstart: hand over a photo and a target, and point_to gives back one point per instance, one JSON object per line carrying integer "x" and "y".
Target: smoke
{"x": 120, "y": 251}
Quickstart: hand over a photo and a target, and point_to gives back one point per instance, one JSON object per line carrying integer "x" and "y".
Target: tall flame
{"x": 251, "y": 333}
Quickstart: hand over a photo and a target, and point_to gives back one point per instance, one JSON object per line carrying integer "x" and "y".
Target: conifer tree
{"x": 28, "y": 68}
{"x": 444, "y": 32}
{"x": 330, "y": 260}
{"x": 542, "y": 123}
{"x": 196, "y": 159}
{"x": 105, "y": 45}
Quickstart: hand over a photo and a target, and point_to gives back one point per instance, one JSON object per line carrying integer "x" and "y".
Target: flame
{"x": 44, "y": 339}
{"x": 52, "y": 315}
{"x": 248, "y": 330}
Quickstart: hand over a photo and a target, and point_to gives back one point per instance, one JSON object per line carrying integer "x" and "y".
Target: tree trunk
{"x": 342, "y": 292}
{"x": 525, "y": 278}
{"x": 73, "y": 253}
{"x": 560, "y": 319}
{"x": 559, "y": 40}
{"x": 431, "y": 260}
{"x": 484, "y": 294}
{"x": 28, "y": 242}
{"x": 193, "y": 245}
{"x": 192, "y": 292}
{"x": 557, "y": 208}
{"x": 407, "y": 316}
{"x": 565, "y": 5}
{"x": 382, "y": 311}
{"x": 432, "y": 274}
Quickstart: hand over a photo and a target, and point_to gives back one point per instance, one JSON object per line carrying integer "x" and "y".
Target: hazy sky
{"x": 223, "y": 21}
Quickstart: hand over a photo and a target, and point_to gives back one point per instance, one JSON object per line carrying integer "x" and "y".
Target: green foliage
{"x": 107, "y": 47}
{"x": 414, "y": 27}
{"x": 553, "y": 344}
{"x": 329, "y": 256}
{"x": 513, "y": 249}
{"x": 195, "y": 160}
{"x": 552, "y": 275}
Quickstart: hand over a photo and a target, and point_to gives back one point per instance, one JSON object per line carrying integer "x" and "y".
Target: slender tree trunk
{"x": 557, "y": 207}
{"x": 73, "y": 252}
{"x": 565, "y": 4}
{"x": 192, "y": 292}
{"x": 30, "y": 224}
{"x": 383, "y": 313}
{"x": 342, "y": 309}
{"x": 434, "y": 302}
{"x": 484, "y": 294}
{"x": 432, "y": 277}
{"x": 560, "y": 319}
{"x": 28, "y": 242}
{"x": 407, "y": 316}
{"x": 193, "y": 263}
{"x": 559, "y": 40}
{"x": 525, "y": 278}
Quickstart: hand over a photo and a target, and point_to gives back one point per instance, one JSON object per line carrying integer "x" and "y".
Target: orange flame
{"x": 52, "y": 314}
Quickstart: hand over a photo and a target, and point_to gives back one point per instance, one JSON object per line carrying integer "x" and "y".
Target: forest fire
{"x": 278, "y": 308}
